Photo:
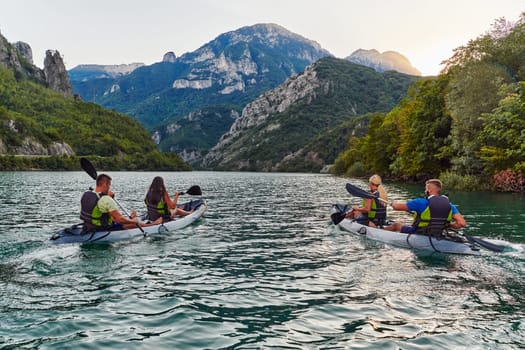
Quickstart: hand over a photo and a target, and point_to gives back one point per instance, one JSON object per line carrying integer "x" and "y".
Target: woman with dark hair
{"x": 159, "y": 204}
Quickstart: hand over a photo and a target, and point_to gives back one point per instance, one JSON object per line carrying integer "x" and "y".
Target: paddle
{"x": 193, "y": 191}
{"x": 86, "y": 165}
{"x": 338, "y": 213}
{"x": 485, "y": 244}
{"x": 88, "y": 168}
{"x": 356, "y": 191}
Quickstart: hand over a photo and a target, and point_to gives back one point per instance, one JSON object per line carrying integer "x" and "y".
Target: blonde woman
{"x": 372, "y": 212}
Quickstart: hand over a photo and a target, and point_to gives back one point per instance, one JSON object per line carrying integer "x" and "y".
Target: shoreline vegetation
{"x": 504, "y": 181}
{"x": 155, "y": 161}
{"x": 465, "y": 126}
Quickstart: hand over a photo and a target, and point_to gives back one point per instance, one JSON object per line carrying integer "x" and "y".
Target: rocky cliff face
{"x": 25, "y": 50}
{"x": 255, "y": 113}
{"x": 56, "y": 74}
{"x": 20, "y": 61}
{"x": 381, "y": 62}
{"x": 19, "y": 57}
{"x": 32, "y": 147}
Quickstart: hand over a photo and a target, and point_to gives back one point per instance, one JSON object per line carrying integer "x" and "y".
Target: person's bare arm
{"x": 118, "y": 217}
{"x": 399, "y": 206}
{"x": 459, "y": 221}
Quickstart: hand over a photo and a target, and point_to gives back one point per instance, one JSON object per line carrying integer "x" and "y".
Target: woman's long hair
{"x": 157, "y": 189}
{"x": 376, "y": 180}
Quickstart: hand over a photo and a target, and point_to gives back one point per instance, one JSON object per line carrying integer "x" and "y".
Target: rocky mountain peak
{"x": 236, "y": 59}
{"x": 25, "y": 50}
{"x": 381, "y": 62}
{"x": 169, "y": 57}
{"x": 19, "y": 57}
{"x": 56, "y": 74}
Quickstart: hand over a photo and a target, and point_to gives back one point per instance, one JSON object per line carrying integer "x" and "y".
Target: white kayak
{"x": 411, "y": 241}
{"x": 451, "y": 242}
{"x": 74, "y": 233}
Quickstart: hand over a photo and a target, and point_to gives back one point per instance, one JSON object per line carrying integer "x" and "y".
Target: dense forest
{"x": 32, "y": 114}
{"x": 467, "y": 125}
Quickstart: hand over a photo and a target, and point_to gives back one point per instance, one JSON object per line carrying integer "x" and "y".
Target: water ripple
{"x": 263, "y": 269}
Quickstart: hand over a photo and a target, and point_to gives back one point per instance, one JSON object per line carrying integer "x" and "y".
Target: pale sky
{"x": 127, "y": 31}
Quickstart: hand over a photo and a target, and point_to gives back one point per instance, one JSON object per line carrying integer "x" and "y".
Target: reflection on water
{"x": 263, "y": 269}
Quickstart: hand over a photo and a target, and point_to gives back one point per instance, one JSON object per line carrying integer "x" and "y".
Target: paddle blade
{"x": 338, "y": 213}
{"x": 193, "y": 191}
{"x": 88, "y": 168}
{"x": 485, "y": 244}
{"x": 337, "y": 217}
{"x": 356, "y": 191}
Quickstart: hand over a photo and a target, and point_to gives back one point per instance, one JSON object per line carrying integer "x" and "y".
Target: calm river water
{"x": 263, "y": 269}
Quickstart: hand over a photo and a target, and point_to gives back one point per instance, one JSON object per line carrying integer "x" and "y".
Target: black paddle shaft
{"x": 88, "y": 168}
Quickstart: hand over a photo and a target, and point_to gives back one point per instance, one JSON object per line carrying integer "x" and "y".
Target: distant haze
{"x": 127, "y": 31}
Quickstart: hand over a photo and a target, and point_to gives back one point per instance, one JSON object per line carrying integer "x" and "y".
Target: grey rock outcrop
{"x": 31, "y": 147}
{"x": 18, "y": 57}
{"x": 8, "y": 55}
{"x": 169, "y": 57}
{"x": 56, "y": 74}
{"x": 25, "y": 50}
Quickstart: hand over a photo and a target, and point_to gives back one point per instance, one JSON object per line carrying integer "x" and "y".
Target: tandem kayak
{"x": 457, "y": 244}
{"x": 74, "y": 233}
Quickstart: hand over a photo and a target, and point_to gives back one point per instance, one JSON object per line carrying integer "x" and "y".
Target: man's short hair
{"x": 103, "y": 178}
{"x": 435, "y": 182}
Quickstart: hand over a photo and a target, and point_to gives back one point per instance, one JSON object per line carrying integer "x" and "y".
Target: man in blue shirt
{"x": 419, "y": 207}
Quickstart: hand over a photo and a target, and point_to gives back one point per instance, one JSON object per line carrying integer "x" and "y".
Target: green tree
{"x": 503, "y": 134}
{"x": 426, "y": 129}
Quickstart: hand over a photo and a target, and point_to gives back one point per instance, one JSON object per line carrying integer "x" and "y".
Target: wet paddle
{"x": 485, "y": 244}
{"x": 338, "y": 213}
{"x": 88, "y": 168}
{"x": 356, "y": 191}
{"x": 86, "y": 165}
{"x": 193, "y": 191}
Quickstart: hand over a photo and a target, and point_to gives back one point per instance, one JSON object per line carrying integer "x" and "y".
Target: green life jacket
{"x": 377, "y": 209}
{"x": 158, "y": 210}
{"x": 94, "y": 219}
{"x": 436, "y": 216}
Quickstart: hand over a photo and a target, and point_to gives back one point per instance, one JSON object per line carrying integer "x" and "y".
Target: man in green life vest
{"x": 99, "y": 210}
{"x": 432, "y": 214}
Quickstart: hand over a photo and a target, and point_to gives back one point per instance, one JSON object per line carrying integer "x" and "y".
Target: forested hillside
{"x": 467, "y": 125}
{"x": 298, "y": 125}
{"x": 42, "y": 129}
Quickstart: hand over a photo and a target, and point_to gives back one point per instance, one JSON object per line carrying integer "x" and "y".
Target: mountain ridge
{"x": 381, "y": 62}
{"x": 274, "y": 131}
